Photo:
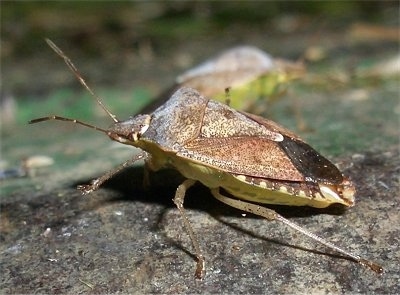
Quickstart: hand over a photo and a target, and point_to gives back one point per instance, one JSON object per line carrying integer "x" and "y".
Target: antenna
{"x": 75, "y": 71}
{"x": 58, "y": 118}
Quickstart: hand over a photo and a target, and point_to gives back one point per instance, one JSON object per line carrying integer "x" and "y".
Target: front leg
{"x": 178, "y": 200}
{"x": 95, "y": 183}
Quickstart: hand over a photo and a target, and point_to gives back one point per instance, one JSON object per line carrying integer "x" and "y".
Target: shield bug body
{"x": 205, "y": 141}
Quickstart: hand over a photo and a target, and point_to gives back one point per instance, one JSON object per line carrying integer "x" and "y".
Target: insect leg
{"x": 95, "y": 183}
{"x": 178, "y": 200}
{"x": 272, "y": 215}
{"x": 146, "y": 175}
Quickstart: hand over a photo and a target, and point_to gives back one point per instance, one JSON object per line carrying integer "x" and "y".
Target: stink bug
{"x": 250, "y": 158}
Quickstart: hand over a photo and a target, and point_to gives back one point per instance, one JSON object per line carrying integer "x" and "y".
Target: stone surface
{"x": 122, "y": 239}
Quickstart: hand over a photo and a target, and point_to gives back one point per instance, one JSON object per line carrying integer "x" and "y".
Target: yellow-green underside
{"x": 236, "y": 185}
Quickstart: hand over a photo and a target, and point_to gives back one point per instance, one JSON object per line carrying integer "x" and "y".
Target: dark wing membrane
{"x": 310, "y": 163}
{"x": 251, "y": 156}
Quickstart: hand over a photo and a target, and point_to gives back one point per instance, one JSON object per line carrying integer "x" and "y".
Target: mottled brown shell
{"x": 216, "y": 135}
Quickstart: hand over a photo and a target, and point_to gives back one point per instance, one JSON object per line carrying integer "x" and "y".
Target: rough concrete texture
{"x": 122, "y": 239}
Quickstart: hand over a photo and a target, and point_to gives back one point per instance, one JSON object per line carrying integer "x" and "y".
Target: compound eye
{"x": 143, "y": 128}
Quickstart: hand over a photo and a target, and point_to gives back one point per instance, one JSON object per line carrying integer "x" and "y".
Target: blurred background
{"x": 132, "y": 51}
